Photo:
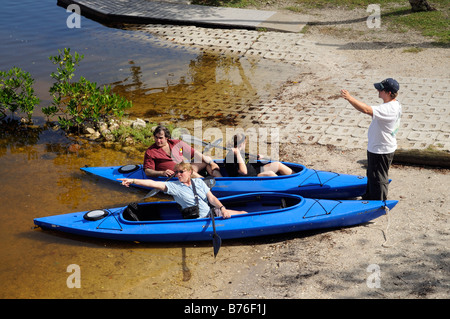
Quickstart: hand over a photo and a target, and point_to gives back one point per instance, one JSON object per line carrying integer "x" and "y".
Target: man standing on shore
{"x": 382, "y": 141}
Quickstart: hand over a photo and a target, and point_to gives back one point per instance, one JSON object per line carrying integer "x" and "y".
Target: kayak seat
{"x": 135, "y": 212}
{"x": 131, "y": 212}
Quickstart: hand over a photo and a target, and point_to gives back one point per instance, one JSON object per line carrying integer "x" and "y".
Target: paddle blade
{"x": 153, "y": 192}
{"x": 192, "y": 140}
{"x": 217, "y": 242}
{"x": 210, "y": 181}
{"x": 216, "y": 143}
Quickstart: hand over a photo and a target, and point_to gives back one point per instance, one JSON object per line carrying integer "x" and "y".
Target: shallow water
{"x": 39, "y": 170}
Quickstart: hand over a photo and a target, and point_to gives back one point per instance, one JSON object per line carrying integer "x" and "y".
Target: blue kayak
{"x": 268, "y": 214}
{"x": 305, "y": 181}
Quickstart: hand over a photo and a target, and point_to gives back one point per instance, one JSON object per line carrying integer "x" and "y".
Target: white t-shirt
{"x": 383, "y": 128}
{"x": 184, "y": 194}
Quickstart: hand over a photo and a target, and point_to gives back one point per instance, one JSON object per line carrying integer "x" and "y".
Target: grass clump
{"x": 141, "y": 136}
{"x": 433, "y": 24}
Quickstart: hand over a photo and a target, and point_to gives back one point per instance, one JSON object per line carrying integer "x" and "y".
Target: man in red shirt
{"x": 161, "y": 158}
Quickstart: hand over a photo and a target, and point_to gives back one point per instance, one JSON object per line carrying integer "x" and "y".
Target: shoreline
{"x": 408, "y": 245}
{"x": 405, "y": 251}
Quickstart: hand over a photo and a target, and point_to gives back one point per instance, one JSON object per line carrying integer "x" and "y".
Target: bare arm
{"x": 199, "y": 157}
{"x": 216, "y": 203}
{"x": 144, "y": 182}
{"x": 154, "y": 173}
{"x": 360, "y": 106}
{"x": 242, "y": 167}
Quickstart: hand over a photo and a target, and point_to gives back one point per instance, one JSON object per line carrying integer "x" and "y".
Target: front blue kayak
{"x": 267, "y": 214}
{"x": 306, "y": 182}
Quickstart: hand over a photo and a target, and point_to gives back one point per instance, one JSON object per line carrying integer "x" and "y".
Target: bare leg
{"x": 267, "y": 173}
{"x": 236, "y": 212}
{"x": 213, "y": 172}
{"x": 231, "y": 211}
{"x": 273, "y": 168}
{"x": 197, "y": 167}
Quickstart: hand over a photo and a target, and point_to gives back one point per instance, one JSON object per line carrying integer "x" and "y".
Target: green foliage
{"x": 16, "y": 91}
{"x": 141, "y": 136}
{"x": 82, "y": 101}
{"x": 430, "y": 23}
{"x": 397, "y": 12}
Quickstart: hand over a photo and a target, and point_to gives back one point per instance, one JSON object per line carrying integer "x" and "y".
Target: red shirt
{"x": 157, "y": 159}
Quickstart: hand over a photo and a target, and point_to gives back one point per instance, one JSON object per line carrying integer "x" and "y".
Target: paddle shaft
{"x": 197, "y": 141}
{"x": 217, "y": 241}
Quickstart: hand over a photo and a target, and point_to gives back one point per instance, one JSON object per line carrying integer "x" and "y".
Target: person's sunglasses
{"x": 179, "y": 172}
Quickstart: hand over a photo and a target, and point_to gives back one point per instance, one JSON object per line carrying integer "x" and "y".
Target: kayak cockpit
{"x": 154, "y": 211}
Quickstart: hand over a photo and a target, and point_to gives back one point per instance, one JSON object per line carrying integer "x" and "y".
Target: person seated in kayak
{"x": 161, "y": 157}
{"x": 237, "y": 164}
{"x": 182, "y": 191}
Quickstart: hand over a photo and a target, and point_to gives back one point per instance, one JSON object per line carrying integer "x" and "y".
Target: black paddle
{"x": 210, "y": 182}
{"x": 216, "y": 143}
{"x": 217, "y": 241}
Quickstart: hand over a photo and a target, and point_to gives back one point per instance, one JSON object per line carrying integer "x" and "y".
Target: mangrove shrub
{"x": 16, "y": 92}
{"x": 79, "y": 102}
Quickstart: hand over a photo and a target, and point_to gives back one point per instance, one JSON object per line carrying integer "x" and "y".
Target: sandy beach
{"x": 409, "y": 246}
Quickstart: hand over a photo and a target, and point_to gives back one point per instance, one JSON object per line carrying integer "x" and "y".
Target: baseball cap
{"x": 389, "y": 85}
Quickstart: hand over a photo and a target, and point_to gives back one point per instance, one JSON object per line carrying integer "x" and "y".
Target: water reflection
{"x": 37, "y": 29}
{"x": 214, "y": 88}
{"x": 17, "y": 137}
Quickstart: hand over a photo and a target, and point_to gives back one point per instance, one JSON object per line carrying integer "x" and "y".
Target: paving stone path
{"x": 426, "y": 113}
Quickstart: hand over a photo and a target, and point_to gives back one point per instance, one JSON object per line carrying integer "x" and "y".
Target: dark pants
{"x": 377, "y": 175}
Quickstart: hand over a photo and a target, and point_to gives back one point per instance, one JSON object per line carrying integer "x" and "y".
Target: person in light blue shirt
{"x": 183, "y": 193}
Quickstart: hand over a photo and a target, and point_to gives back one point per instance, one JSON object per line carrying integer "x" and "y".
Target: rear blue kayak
{"x": 268, "y": 214}
{"x": 305, "y": 181}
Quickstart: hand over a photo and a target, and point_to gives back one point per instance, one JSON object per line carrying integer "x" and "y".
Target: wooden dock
{"x": 159, "y": 12}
